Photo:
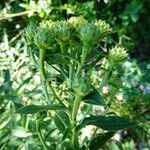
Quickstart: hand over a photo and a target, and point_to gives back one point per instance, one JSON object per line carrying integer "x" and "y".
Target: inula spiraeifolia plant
{"x": 66, "y": 54}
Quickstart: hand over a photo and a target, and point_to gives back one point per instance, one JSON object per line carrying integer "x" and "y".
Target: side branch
{"x": 8, "y": 16}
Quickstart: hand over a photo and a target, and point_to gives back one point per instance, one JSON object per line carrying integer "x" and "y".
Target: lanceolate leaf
{"x": 31, "y": 109}
{"x": 94, "y": 98}
{"x": 99, "y": 140}
{"x": 109, "y": 123}
{"x": 62, "y": 121}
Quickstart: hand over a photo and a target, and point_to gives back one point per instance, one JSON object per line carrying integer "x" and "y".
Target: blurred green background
{"x": 19, "y": 82}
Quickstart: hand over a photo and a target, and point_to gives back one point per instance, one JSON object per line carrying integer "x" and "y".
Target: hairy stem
{"x": 41, "y": 137}
{"x": 43, "y": 74}
{"x": 85, "y": 52}
{"x": 74, "y": 140}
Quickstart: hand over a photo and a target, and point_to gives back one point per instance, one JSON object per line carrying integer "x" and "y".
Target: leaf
{"x": 99, "y": 140}
{"x": 62, "y": 121}
{"x": 7, "y": 76}
{"x": 109, "y": 123}
{"x": 94, "y": 98}
{"x": 31, "y": 109}
{"x": 67, "y": 131}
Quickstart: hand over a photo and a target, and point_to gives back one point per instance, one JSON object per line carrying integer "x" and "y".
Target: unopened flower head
{"x": 83, "y": 86}
{"x": 103, "y": 28}
{"x": 44, "y": 37}
{"x": 77, "y": 21}
{"x": 117, "y": 54}
{"x": 63, "y": 31}
{"x": 89, "y": 33}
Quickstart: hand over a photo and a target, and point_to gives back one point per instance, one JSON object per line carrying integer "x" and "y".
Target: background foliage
{"x": 19, "y": 82}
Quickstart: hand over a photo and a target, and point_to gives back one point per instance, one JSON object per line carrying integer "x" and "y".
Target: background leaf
{"x": 31, "y": 109}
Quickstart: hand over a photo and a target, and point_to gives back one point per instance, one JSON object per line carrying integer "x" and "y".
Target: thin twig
{"x": 8, "y": 16}
{"x": 15, "y": 37}
{"x": 142, "y": 113}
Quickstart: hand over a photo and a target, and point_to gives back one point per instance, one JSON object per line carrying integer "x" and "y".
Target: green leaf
{"x": 99, "y": 140}
{"x": 67, "y": 131}
{"x": 62, "y": 121}
{"x": 31, "y": 109}
{"x": 109, "y": 123}
{"x": 7, "y": 76}
{"x": 94, "y": 98}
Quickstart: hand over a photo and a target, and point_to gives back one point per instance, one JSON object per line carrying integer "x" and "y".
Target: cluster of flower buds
{"x": 117, "y": 55}
{"x": 49, "y": 32}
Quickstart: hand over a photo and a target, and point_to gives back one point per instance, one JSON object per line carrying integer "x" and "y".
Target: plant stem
{"x": 85, "y": 52}
{"x": 41, "y": 137}
{"x": 43, "y": 74}
{"x": 104, "y": 80}
{"x": 24, "y": 121}
{"x": 54, "y": 94}
{"x": 74, "y": 140}
{"x": 42, "y": 70}
{"x": 70, "y": 75}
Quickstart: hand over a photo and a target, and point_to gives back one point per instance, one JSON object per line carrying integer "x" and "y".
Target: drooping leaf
{"x": 62, "y": 121}
{"x": 94, "y": 98}
{"x": 31, "y": 109}
{"x": 100, "y": 139}
{"x": 109, "y": 123}
{"x": 67, "y": 131}
{"x": 59, "y": 124}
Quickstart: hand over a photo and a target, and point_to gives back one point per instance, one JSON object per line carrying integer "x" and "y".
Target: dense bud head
{"x": 64, "y": 31}
{"x": 88, "y": 33}
{"x": 117, "y": 55}
{"x": 44, "y": 37}
{"x": 82, "y": 86}
{"x": 77, "y": 21}
{"x": 103, "y": 27}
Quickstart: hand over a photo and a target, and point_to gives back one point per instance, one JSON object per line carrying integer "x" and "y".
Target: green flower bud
{"x": 117, "y": 55}
{"x": 89, "y": 33}
{"x": 63, "y": 31}
{"x": 103, "y": 26}
{"x": 82, "y": 86}
{"x": 44, "y": 37}
{"x": 77, "y": 21}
